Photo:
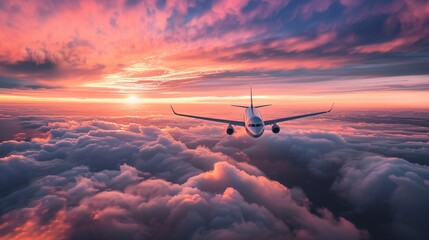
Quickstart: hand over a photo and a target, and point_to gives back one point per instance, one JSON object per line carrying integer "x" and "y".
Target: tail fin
{"x": 251, "y": 96}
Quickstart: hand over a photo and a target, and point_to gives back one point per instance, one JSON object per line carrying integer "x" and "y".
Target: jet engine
{"x": 275, "y": 128}
{"x": 230, "y": 130}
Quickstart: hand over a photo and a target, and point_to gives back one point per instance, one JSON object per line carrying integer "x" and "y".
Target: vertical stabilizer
{"x": 251, "y": 96}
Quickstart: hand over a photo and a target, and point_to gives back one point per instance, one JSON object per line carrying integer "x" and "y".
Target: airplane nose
{"x": 255, "y": 126}
{"x": 257, "y": 132}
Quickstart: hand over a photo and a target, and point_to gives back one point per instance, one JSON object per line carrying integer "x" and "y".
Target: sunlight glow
{"x": 133, "y": 99}
{"x": 397, "y": 99}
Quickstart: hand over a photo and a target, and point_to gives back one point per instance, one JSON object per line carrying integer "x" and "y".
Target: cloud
{"x": 15, "y": 83}
{"x": 133, "y": 180}
{"x": 377, "y": 180}
{"x": 97, "y": 178}
{"x": 351, "y": 167}
{"x": 29, "y": 66}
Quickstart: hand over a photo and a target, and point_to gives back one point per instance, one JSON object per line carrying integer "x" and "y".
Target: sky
{"x": 357, "y": 53}
{"x": 89, "y": 148}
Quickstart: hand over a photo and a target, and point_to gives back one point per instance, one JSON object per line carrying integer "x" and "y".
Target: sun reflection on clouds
{"x": 150, "y": 76}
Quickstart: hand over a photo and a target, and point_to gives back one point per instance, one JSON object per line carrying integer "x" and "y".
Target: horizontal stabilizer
{"x": 240, "y": 106}
{"x": 266, "y": 105}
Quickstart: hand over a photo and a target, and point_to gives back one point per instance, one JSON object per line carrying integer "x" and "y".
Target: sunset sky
{"x": 90, "y": 149}
{"x": 357, "y": 53}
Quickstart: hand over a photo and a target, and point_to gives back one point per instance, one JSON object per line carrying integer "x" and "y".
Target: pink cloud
{"x": 208, "y": 195}
{"x": 314, "y": 6}
{"x": 117, "y": 179}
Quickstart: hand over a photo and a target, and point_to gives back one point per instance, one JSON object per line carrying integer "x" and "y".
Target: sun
{"x": 132, "y": 99}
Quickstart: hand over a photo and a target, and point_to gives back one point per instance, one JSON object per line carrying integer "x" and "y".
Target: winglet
{"x": 173, "y": 110}
{"x": 332, "y": 106}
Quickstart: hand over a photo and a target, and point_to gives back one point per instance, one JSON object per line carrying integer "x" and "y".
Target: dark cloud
{"x": 358, "y": 28}
{"x": 353, "y": 64}
{"x": 30, "y": 122}
{"x": 373, "y": 30}
{"x": 36, "y": 62}
{"x": 45, "y": 64}
{"x": 29, "y": 66}
{"x": 316, "y": 161}
{"x": 377, "y": 180}
{"x": 131, "y": 3}
{"x": 15, "y": 83}
{"x": 402, "y": 118}
{"x": 160, "y": 4}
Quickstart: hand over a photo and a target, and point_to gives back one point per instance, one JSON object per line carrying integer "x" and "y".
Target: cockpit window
{"x": 254, "y": 125}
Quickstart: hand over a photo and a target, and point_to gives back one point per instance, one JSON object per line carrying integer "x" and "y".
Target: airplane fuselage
{"x": 254, "y": 124}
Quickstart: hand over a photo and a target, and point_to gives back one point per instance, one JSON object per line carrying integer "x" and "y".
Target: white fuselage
{"x": 253, "y": 122}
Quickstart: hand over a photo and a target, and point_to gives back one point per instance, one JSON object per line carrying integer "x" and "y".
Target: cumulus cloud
{"x": 97, "y": 178}
{"x": 374, "y": 181}
{"x": 332, "y": 168}
{"x": 125, "y": 180}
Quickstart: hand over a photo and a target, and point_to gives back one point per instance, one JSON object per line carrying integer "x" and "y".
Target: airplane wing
{"x": 237, "y": 123}
{"x": 269, "y": 122}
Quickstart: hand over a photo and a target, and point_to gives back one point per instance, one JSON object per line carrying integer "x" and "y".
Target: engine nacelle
{"x": 275, "y": 128}
{"x": 230, "y": 130}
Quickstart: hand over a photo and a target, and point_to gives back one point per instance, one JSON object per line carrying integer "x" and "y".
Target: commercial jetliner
{"x": 253, "y": 122}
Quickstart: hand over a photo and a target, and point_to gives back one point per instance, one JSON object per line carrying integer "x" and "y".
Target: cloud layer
{"x": 121, "y": 181}
{"x": 104, "y": 179}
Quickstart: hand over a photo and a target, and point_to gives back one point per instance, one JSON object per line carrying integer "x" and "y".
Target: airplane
{"x": 253, "y": 122}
